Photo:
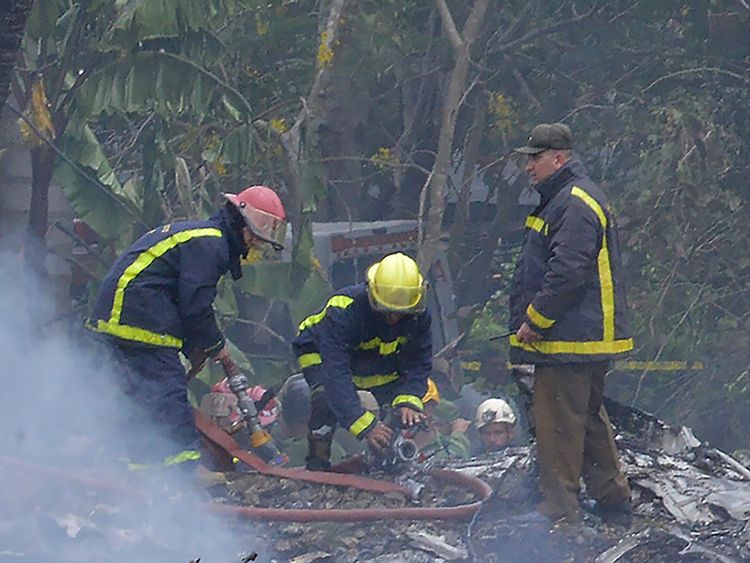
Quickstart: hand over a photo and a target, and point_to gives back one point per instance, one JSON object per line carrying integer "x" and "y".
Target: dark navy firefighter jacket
{"x": 349, "y": 346}
{"x": 160, "y": 291}
{"x": 568, "y": 280}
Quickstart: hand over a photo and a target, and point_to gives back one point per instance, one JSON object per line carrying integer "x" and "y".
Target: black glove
{"x": 197, "y": 358}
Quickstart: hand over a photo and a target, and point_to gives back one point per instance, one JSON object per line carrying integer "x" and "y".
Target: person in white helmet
{"x": 496, "y": 423}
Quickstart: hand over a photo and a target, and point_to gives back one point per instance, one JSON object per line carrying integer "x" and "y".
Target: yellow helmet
{"x": 432, "y": 393}
{"x": 395, "y": 285}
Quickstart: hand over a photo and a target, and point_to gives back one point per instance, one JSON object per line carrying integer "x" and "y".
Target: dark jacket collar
{"x": 236, "y": 245}
{"x": 548, "y": 188}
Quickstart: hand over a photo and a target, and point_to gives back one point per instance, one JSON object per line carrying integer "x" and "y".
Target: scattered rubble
{"x": 265, "y": 491}
{"x": 437, "y": 545}
{"x": 691, "y": 503}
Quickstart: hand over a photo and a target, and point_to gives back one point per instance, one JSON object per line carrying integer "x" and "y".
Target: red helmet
{"x": 263, "y": 213}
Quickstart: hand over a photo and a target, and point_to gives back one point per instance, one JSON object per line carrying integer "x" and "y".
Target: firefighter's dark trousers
{"x": 574, "y": 439}
{"x": 155, "y": 380}
{"x": 323, "y": 421}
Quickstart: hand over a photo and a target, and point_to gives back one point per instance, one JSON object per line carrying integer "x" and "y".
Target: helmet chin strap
{"x": 392, "y": 318}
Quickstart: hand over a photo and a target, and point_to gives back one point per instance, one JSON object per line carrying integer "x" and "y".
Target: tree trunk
{"x": 42, "y": 166}
{"x": 433, "y": 191}
{"x": 470, "y": 156}
{"x": 13, "y": 16}
{"x": 300, "y": 142}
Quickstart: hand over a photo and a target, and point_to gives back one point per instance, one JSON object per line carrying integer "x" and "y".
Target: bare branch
{"x": 554, "y": 28}
{"x": 450, "y": 26}
{"x": 687, "y": 71}
{"x": 433, "y": 189}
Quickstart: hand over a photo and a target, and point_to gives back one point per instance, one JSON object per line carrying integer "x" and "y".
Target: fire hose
{"x": 222, "y": 440}
{"x": 227, "y": 443}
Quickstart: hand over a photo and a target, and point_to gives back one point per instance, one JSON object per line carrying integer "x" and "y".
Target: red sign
{"x": 387, "y": 242}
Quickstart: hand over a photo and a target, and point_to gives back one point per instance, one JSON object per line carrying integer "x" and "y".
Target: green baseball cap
{"x": 446, "y": 411}
{"x": 547, "y": 136}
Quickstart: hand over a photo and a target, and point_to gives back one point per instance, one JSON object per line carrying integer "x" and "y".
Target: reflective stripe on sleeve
{"x": 362, "y": 423}
{"x": 412, "y": 400}
{"x": 537, "y": 224}
{"x": 309, "y": 360}
{"x": 537, "y": 318}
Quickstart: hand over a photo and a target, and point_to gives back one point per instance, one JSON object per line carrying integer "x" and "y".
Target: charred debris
{"x": 691, "y": 503}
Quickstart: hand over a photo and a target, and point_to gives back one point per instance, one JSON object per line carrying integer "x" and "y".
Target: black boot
{"x": 618, "y": 514}
{"x": 318, "y": 452}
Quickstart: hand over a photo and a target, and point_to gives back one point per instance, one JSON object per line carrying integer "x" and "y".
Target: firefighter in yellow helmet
{"x": 374, "y": 336}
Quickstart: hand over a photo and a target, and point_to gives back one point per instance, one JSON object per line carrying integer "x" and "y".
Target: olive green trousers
{"x": 574, "y": 439}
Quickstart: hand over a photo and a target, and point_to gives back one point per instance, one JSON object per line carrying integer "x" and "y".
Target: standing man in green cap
{"x": 569, "y": 314}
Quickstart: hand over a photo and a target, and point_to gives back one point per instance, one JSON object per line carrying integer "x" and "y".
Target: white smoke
{"x": 65, "y": 494}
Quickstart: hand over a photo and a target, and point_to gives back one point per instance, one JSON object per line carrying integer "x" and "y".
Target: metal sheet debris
{"x": 690, "y": 505}
{"x": 437, "y": 545}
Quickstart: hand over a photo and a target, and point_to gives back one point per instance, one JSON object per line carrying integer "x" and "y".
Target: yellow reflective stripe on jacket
{"x": 308, "y": 360}
{"x": 412, "y": 400}
{"x": 138, "y": 334}
{"x": 605, "y": 269}
{"x": 370, "y": 381}
{"x": 537, "y": 224}
{"x": 384, "y": 348}
{"x": 143, "y": 261}
{"x": 583, "y": 348}
{"x": 362, "y": 423}
{"x": 537, "y": 318}
{"x": 341, "y": 301}
{"x": 182, "y": 457}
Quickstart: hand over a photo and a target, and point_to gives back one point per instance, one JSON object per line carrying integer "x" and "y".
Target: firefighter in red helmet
{"x": 157, "y": 301}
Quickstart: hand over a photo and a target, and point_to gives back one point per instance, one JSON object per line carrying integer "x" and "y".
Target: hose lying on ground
{"x": 227, "y": 444}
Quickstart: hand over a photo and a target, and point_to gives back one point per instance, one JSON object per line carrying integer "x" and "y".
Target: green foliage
{"x": 147, "y": 81}
{"x": 146, "y": 20}
{"x": 150, "y": 69}
{"x": 203, "y": 89}
{"x": 490, "y": 321}
{"x": 92, "y": 187}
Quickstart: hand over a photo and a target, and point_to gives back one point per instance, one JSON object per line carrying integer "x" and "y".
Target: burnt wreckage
{"x": 691, "y": 503}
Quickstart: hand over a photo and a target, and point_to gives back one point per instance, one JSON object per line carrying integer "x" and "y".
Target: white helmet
{"x": 494, "y": 410}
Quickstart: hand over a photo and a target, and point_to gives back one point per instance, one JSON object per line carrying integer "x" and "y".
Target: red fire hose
{"x": 460, "y": 512}
{"x": 227, "y": 443}
{"x": 224, "y": 441}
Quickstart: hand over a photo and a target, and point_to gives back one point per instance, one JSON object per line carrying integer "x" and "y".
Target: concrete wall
{"x": 15, "y": 194}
